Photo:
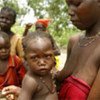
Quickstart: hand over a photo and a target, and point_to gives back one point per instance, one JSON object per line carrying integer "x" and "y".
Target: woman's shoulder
{"x": 75, "y": 37}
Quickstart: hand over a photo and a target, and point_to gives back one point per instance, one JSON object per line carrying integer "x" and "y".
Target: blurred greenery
{"x": 56, "y": 10}
{"x": 61, "y": 38}
{"x": 18, "y": 29}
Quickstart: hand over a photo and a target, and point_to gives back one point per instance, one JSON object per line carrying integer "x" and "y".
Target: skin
{"x": 83, "y": 62}
{"x": 27, "y": 27}
{"x": 40, "y": 59}
{"x": 6, "y": 22}
{"x": 38, "y": 26}
{"x": 95, "y": 91}
{"x": 41, "y": 27}
{"x": 4, "y": 54}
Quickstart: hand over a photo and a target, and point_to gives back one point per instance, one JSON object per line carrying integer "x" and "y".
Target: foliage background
{"x": 56, "y": 10}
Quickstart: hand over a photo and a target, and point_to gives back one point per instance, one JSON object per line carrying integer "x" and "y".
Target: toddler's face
{"x": 4, "y": 48}
{"x": 84, "y": 13}
{"x": 40, "y": 56}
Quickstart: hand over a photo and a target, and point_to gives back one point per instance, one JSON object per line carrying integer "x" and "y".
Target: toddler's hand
{"x": 11, "y": 90}
{"x": 10, "y": 97}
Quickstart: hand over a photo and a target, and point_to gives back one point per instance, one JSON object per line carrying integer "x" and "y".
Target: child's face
{"x": 4, "y": 48}
{"x": 6, "y": 20}
{"x": 84, "y": 13}
{"x": 40, "y": 26}
{"x": 40, "y": 56}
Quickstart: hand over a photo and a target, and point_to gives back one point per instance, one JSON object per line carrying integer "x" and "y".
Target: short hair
{"x": 9, "y": 10}
{"x": 34, "y": 35}
{"x": 5, "y": 36}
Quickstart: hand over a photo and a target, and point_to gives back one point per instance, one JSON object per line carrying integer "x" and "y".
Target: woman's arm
{"x": 95, "y": 90}
{"x": 66, "y": 71}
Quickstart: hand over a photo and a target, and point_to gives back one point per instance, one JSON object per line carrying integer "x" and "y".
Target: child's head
{"x": 42, "y": 24}
{"x": 7, "y": 18}
{"x": 84, "y": 13}
{"x": 4, "y": 45}
{"x": 39, "y": 52}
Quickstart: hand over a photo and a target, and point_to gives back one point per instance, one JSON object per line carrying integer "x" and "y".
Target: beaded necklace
{"x": 85, "y": 41}
{"x": 52, "y": 91}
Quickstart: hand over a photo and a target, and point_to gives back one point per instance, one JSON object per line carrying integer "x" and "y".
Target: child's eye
{"x": 34, "y": 58}
{"x": 48, "y": 56}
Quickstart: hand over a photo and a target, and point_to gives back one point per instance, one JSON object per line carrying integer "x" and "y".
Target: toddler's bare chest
{"x": 45, "y": 88}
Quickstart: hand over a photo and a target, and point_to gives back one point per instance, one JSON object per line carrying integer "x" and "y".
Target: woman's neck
{"x": 93, "y": 30}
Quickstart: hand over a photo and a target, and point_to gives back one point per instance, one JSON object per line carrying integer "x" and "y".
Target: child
{"x": 83, "y": 59}
{"x": 12, "y": 70}
{"x": 41, "y": 25}
{"x": 38, "y": 83}
{"x": 7, "y": 20}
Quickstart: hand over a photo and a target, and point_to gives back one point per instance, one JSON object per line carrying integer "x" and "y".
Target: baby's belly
{"x": 47, "y": 97}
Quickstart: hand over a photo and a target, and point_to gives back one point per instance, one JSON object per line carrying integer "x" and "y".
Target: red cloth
{"x": 14, "y": 73}
{"x": 45, "y": 22}
{"x": 74, "y": 89}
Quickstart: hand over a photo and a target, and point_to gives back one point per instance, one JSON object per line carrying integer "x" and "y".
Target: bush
{"x": 18, "y": 29}
{"x": 61, "y": 38}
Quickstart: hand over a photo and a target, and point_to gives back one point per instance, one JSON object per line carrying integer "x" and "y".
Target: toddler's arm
{"x": 29, "y": 87}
